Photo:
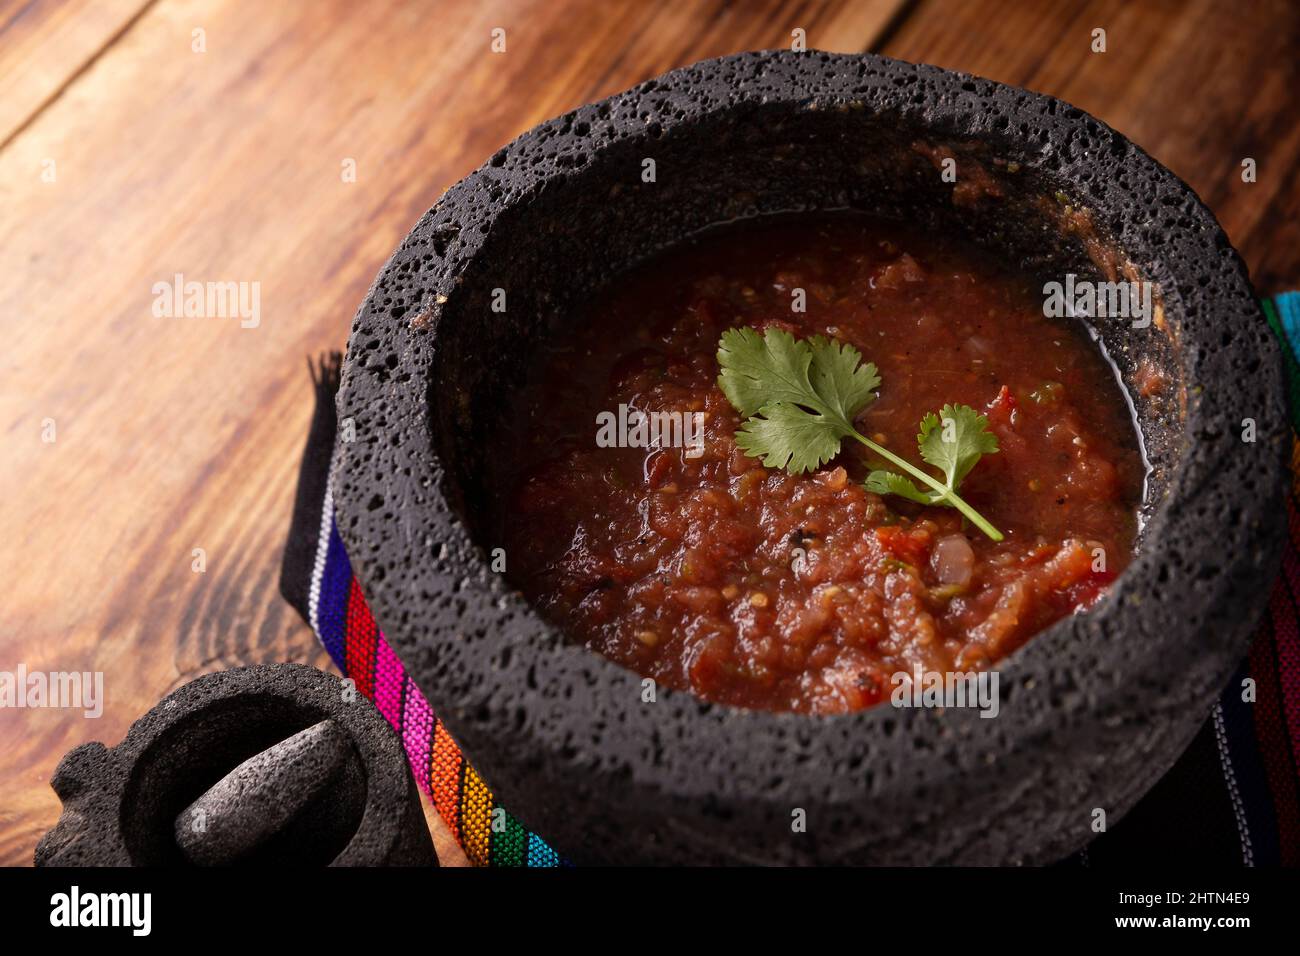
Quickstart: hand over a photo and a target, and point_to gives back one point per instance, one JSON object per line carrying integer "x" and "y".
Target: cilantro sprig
{"x": 800, "y": 396}
{"x": 953, "y": 441}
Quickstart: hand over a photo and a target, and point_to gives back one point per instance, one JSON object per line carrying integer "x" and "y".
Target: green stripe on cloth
{"x": 1288, "y": 358}
{"x": 510, "y": 846}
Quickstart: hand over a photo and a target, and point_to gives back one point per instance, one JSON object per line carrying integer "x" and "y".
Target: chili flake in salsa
{"x": 752, "y": 587}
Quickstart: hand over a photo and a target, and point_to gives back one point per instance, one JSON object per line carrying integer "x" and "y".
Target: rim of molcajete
{"x": 1093, "y": 710}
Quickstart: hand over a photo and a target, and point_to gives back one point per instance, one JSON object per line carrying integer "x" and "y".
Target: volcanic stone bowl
{"x": 1093, "y": 711}
{"x": 241, "y": 742}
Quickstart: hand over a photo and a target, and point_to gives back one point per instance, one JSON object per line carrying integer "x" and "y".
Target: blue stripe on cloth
{"x": 1288, "y": 312}
{"x": 539, "y": 854}
{"x": 332, "y": 608}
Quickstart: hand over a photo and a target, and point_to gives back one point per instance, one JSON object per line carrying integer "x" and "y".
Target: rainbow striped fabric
{"x": 1233, "y": 797}
{"x": 339, "y": 615}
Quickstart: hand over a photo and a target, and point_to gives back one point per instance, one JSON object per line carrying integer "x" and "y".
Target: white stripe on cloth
{"x": 322, "y": 550}
{"x": 1230, "y": 777}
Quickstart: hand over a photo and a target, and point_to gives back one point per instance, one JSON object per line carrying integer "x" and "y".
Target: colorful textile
{"x": 316, "y": 578}
{"x": 1232, "y": 798}
{"x": 341, "y": 619}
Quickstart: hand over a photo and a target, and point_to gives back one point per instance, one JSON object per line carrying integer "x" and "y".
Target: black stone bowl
{"x": 350, "y": 802}
{"x": 1093, "y": 711}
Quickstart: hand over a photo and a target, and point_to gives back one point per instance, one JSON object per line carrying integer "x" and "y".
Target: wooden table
{"x": 144, "y": 138}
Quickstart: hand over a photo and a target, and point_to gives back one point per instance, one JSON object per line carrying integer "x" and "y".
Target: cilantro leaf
{"x": 955, "y": 440}
{"x": 892, "y": 483}
{"x": 839, "y": 381}
{"x": 763, "y": 370}
{"x": 785, "y": 436}
{"x": 800, "y": 395}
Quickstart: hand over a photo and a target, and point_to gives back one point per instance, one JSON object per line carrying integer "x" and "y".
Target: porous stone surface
{"x": 246, "y": 809}
{"x": 277, "y": 764}
{"x": 1093, "y": 711}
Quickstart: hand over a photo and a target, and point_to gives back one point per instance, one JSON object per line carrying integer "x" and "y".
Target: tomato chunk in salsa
{"x": 752, "y": 587}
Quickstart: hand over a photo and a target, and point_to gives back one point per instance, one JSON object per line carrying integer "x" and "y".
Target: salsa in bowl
{"x": 683, "y": 557}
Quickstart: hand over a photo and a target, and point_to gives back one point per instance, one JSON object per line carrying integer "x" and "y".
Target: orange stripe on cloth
{"x": 444, "y": 779}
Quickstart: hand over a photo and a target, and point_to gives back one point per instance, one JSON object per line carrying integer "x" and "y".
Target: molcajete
{"x": 1093, "y": 710}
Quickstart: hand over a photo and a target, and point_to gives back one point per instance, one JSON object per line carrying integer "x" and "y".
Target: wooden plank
{"x": 45, "y": 44}
{"x": 225, "y": 165}
{"x": 1200, "y": 85}
{"x": 173, "y": 434}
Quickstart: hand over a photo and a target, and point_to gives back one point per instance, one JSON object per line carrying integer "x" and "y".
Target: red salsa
{"x": 699, "y": 567}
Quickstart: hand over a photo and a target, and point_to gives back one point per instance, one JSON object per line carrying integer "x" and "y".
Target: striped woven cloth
{"x": 1232, "y": 798}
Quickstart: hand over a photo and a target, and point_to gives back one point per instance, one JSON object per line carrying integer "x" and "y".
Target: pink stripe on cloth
{"x": 417, "y": 734}
{"x": 389, "y": 678}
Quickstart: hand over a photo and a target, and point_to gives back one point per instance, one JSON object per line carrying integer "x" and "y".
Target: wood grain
{"x": 46, "y": 44}
{"x": 225, "y": 165}
{"x": 1199, "y": 84}
{"x": 176, "y": 434}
